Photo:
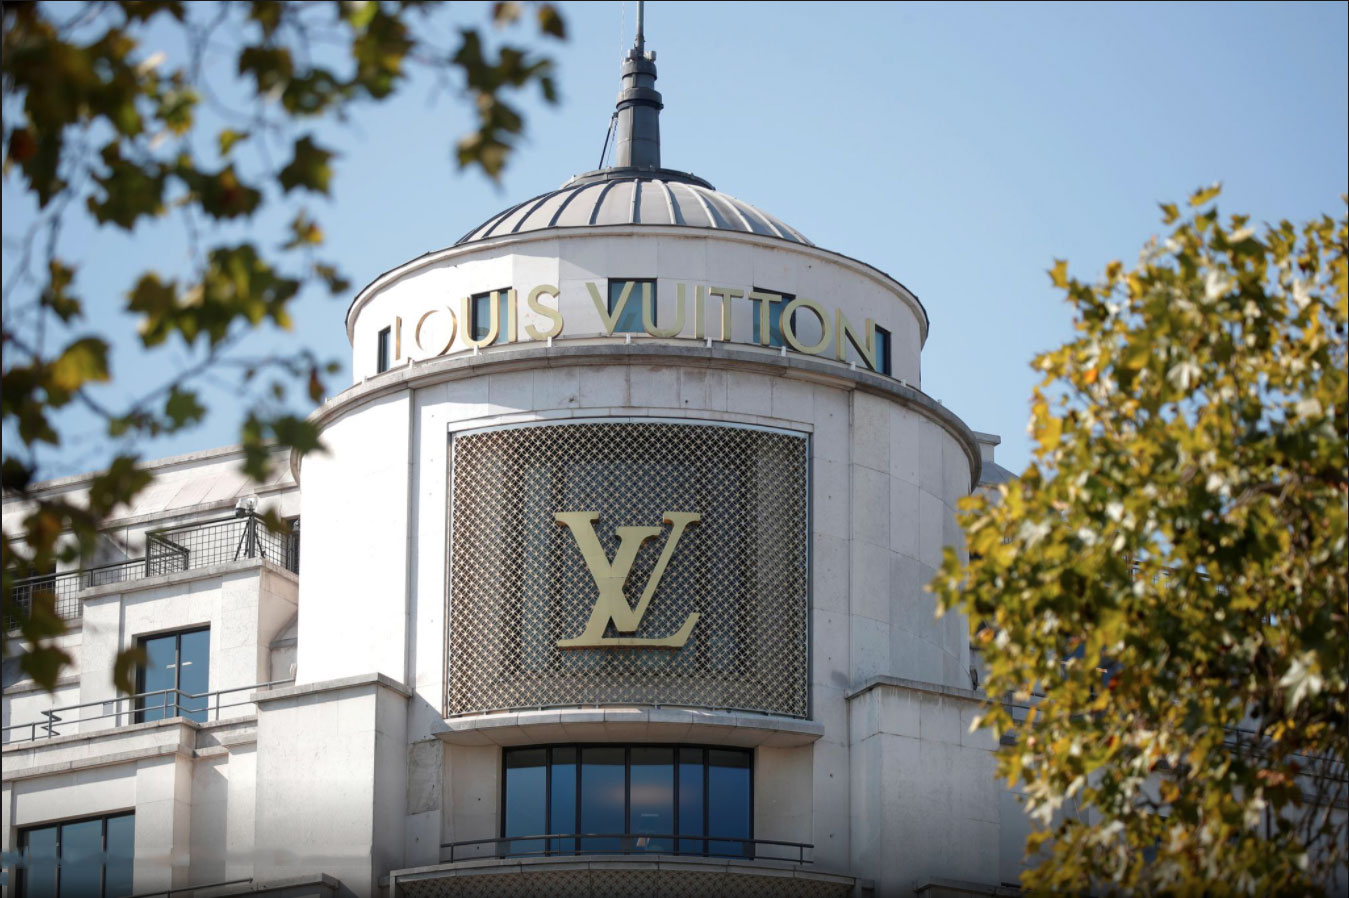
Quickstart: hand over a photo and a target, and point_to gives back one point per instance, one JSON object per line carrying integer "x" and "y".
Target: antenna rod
{"x": 640, "y": 43}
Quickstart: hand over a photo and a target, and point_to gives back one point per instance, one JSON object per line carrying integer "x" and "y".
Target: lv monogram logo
{"x": 610, "y": 577}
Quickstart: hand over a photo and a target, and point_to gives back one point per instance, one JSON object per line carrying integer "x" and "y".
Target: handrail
{"x": 181, "y": 707}
{"x": 628, "y": 845}
{"x": 195, "y": 545}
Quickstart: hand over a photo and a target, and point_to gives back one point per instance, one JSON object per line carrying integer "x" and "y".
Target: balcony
{"x": 549, "y": 864}
{"x": 169, "y": 551}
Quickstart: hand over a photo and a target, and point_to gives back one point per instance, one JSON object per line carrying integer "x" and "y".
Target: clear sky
{"x": 959, "y": 148}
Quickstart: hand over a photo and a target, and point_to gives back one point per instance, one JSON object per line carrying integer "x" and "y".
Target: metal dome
{"x": 634, "y": 196}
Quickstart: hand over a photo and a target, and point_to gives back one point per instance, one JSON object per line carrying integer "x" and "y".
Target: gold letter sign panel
{"x": 603, "y": 563}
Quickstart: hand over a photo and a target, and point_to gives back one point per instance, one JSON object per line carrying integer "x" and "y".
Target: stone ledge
{"x": 887, "y": 681}
{"x": 370, "y": 679}
{"x": 534, "y": 356}
{"x": 630, "y": 724}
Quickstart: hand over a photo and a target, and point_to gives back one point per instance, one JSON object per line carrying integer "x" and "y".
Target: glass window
{"x": 481, "y": 312}
{"x": 883, "y": 351}
{"x": 382, "y": 350}
{"x": 177, "y": 671}
{"x": 774, "y": 317}
{"x": 728, "y": 807}
{"x": 603, "y": 796}
{"x": 630, "y": 319}
{"x": 79, "y": 859}
{"x": 526, "y": 799}
{"x": 628, "y": 799}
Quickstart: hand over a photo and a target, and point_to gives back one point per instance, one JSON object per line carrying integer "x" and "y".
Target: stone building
{"x": 611, "y": 584}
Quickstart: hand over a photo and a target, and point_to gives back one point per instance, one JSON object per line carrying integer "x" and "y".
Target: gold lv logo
{"x": 610, "y": 577}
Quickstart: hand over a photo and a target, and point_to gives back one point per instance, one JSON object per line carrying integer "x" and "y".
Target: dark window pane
{"x": 651, "y": 797}
{"x": 563, "y": 810}
{"x": 603, "y": 796}
{"x": 728, "y": 800}
{"x": 482, "y": 315}
{"x": 159, "y": 673}
{"x": 774, "y": 317}
{"x": 121, "y": 850}
{"x": 194, "y": 673}
{"x": 630, "y": 319}
{"x": 39, "y": 876}
{"x": 883, "y": 351}
{"x": 691, "y": 774}
{"x": 82, "y": 859}
{"x": 382, "y": 350}
{"x": 526, "y": 796}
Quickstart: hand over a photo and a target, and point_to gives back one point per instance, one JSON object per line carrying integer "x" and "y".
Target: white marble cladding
{"x": 886, "y": 474}
{"x": 671, "y": 256}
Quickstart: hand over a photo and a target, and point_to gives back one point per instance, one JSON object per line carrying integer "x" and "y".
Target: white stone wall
{"x": 670, "y": 255}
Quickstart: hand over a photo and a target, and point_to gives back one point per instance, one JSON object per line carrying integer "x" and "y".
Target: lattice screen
{"x": 519, "y": 582}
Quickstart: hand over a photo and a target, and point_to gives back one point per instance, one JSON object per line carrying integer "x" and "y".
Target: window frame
{"x": 142, "y": 711}
{"x": 884, "y": 343}
{"x": 705, "y": 838}
{"x": 636, "y": 295}
{"x": 503, "y": 303}
{"x": 754, "y": 323}
{"x": 382, "y": 341}
{"x": 25, "y": 832}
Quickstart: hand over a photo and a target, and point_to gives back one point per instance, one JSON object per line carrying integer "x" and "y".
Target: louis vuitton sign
{"x": 622, "y": 308}
{"x": 651, "y": 562}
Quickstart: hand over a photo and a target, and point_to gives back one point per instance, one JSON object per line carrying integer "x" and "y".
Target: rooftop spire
{"x": 639, "y": 106}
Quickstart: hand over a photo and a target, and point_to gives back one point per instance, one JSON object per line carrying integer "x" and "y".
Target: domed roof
{"x": 633, "y": 196}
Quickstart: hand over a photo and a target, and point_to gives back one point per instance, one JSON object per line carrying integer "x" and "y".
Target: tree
{"x": 96, "y": 125}
{"x": 1162, "y": 592}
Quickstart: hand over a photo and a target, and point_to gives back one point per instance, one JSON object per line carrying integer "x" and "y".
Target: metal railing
{"x": 158, "y": 704}
{"x": 168, "y": 551}
{"x": 575, "y": 845}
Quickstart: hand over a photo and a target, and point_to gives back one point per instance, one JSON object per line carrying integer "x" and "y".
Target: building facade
{"x": 612, "y": 583}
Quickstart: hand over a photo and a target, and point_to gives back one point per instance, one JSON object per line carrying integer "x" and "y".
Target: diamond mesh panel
{"x": 520, "y": 584}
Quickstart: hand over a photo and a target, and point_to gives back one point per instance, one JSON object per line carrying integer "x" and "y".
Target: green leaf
{"x": 83, "y": 361}
{"x": 125, "y": 667}
{"x": 1204, "y": 194}
{"x": 227, "y": 138}
{"x": 182, "y": 408}
{"x": 550, "y": 21}
{"x": 308, "y": 169}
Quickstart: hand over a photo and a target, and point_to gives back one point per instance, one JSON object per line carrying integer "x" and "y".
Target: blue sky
{"x": 960, "y": 148}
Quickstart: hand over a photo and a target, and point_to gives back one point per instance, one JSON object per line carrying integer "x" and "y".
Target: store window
{"x": 480, "y": 312}
{"x": 630, "y": 318}
{"x": 77, "y": 859}
{"x": 774, "y": 317}
{"x": 175, "y": 676}
{"x": 659, "y": 799}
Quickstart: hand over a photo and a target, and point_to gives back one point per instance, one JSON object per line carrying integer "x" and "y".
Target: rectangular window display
{"x": 660, "y": 563}
{"x": 77, "y": 859}
{"x": 628, "y": 800}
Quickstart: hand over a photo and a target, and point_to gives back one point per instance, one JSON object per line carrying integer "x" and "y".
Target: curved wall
{"x": 423, "y": 303}
{"x": 885, "y": 466}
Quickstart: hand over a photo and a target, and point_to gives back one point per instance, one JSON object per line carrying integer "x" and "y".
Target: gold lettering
{"x": 699, "y": 321}
{"x": 843, "y": 328}
{"x": 789, "y": 332}
{"x": 602, "y": 305}
{"x": 512, "y": 316}
{"x": 726, "y": 294}
{"x": 538, "y": 308}
{"x": 610, "y": 578}
{"x": 493, "y": 321}
{"x": 397, "y": 337}
{"x": 417, "y": 333}
{"x": 648, "y": 313}
{"x": 765, "y": 301}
